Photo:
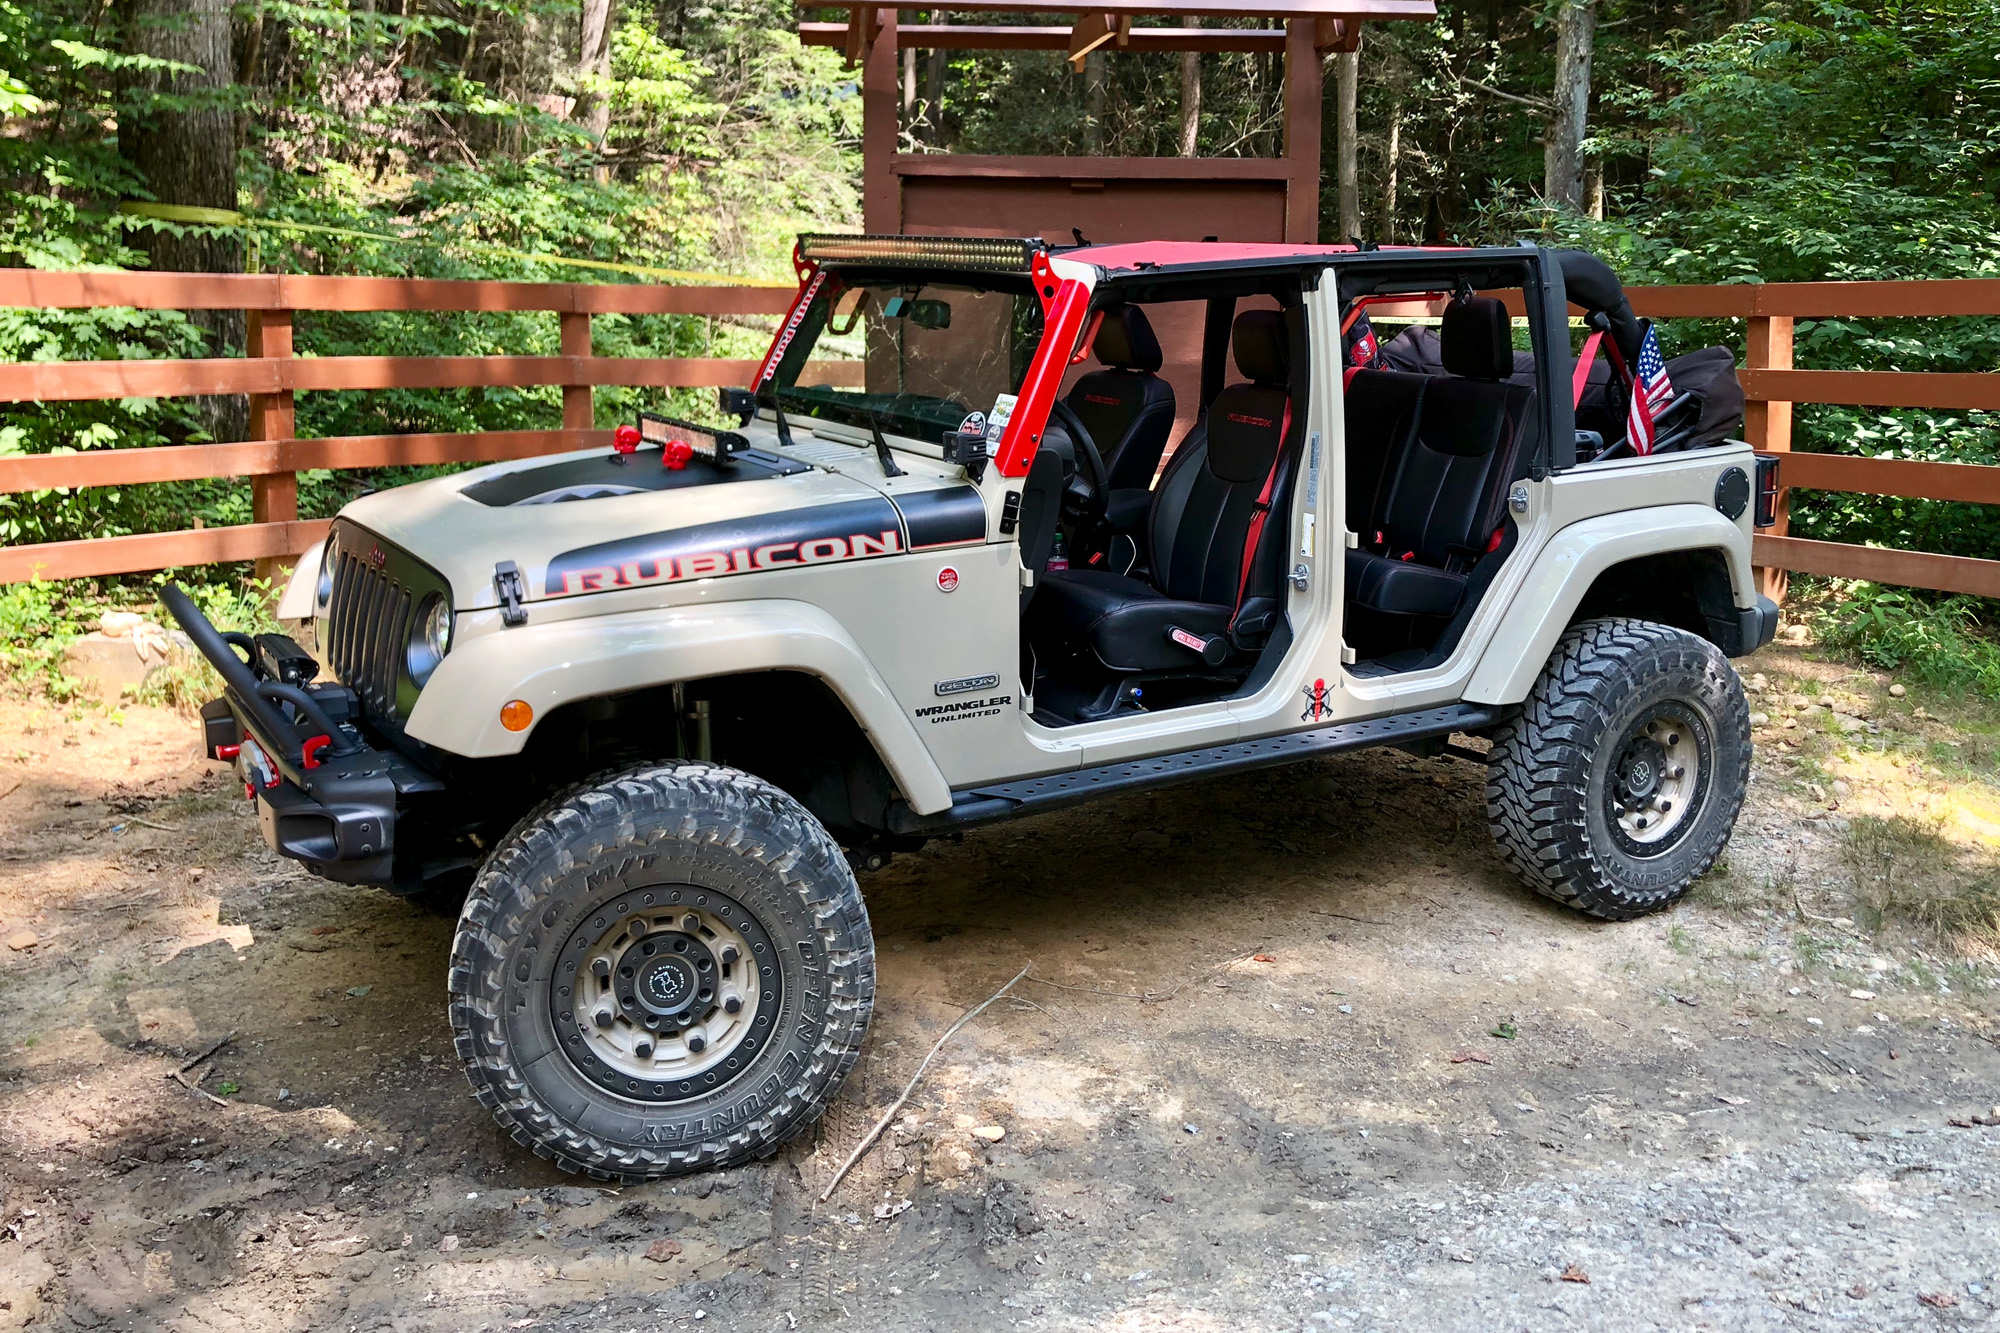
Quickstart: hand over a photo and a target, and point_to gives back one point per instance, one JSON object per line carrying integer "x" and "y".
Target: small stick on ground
{"x": 207, "y": 1053}
{"x": 11, "y": 790}
{"x": 1345, "y": 917}
{"x": 181, "y": 1079}
{"x": 897, "y": 1105}
{"x": 164, "y": 828}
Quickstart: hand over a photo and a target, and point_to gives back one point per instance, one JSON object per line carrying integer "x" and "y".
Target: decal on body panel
{"x": 855, "y": 530}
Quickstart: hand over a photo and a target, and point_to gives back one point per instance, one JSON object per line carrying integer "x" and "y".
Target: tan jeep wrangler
{"x": 656, "y": 706}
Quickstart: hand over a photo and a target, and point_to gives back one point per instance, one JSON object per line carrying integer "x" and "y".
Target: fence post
{"x": 1768, "y": 425}
{"x": 274, "y": 497}
{"x": 579, "y": 407}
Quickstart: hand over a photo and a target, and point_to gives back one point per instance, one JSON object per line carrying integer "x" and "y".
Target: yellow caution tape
{"x": 224, "y": 217}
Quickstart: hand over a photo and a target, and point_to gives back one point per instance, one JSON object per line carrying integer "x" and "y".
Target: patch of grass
{"x": 1948, "y": 643}
{"x": 1679, "y": 940}
{"x": 1906, "y": 868}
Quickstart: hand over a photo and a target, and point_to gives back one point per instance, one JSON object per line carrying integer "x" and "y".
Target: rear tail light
{"x": 1767, "y": 490}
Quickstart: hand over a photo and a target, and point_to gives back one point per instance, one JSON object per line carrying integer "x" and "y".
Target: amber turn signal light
{"x": 516, "y": 714}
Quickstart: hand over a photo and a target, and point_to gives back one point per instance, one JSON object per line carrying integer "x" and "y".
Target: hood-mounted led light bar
{"x": 985, "y": 254}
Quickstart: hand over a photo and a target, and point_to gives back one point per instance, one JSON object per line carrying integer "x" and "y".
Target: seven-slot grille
{"x": 368, "y": 628}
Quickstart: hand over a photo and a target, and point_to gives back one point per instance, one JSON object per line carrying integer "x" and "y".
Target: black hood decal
{"x": 947, "y": 517}
{"x": 821, "y": 534}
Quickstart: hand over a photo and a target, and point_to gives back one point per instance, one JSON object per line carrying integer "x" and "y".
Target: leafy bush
{"x": 1944, "y": 642}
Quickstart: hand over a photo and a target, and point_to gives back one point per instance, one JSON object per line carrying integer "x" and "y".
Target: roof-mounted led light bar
{"x": 986, "y": 254}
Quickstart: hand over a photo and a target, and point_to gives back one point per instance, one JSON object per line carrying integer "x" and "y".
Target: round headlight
{"x": 431, "y": 639}
{"x": 323, "y": 591}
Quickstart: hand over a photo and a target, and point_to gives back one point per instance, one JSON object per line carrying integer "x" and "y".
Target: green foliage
{"x": 1944, "y": 642}
{"x": 406, "y": 142}
{"x": 38, "y": 620}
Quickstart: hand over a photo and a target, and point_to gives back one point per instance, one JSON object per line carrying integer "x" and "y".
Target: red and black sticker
{"x": 822, "y": 534}
{"x": 950, "y": 516}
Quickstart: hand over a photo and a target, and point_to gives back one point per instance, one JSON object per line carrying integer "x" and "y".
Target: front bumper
{"x": 325, "y": 796}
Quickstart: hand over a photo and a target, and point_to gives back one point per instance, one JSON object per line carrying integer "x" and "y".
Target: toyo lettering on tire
{"x": 1618, "y": 783}
{"x": 666, "y": 970}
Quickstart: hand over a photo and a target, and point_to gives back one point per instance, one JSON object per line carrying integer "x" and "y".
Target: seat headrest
{"x": 1263, "y": 347}
{"x": 1476, "y": 339}
{"x": 1125, "y": 340}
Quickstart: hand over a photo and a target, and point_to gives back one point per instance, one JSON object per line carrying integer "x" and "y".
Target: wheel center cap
{"x": 667, "y": 985}
{"x": 1639, "y": 775}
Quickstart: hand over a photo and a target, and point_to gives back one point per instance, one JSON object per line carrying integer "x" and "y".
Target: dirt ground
{"x": 1297, "y": 1053}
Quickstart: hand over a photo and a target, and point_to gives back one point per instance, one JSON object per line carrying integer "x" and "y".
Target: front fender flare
{"x": 1564, "y": 569}
{"x": 558, "y": 662}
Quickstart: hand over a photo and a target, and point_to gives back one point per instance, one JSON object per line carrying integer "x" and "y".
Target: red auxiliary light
{"x": 625, "y": 439}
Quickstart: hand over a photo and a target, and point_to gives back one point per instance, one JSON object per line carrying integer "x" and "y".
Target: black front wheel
{"x": 1619, "y": 782}
{"x": 668, "y": 970}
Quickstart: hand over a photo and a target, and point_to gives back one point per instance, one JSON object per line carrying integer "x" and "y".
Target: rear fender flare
{"x": 1564, "y": 570}
{"x": 558, "y": 662}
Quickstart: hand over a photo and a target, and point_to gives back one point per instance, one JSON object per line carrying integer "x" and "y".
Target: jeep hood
{"x": 579, "y": 523}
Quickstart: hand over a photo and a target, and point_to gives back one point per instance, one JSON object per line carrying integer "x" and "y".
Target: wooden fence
{"x": 271, "y": 376}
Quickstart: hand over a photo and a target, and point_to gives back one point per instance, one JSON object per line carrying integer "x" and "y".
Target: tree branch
{"x": 1539, "y": 103}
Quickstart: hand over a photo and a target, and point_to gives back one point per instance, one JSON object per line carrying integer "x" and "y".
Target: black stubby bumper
{"x": 325, "y": 796}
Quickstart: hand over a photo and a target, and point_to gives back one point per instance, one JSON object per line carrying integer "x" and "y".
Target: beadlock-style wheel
{"x": 665, "y": 992}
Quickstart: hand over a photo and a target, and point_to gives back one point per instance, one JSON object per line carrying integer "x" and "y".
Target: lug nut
{"x": 644, "y": 1049}
{"x": 600, "y": 967}
{"x": 733, "y": 1005}
{"x": 729, "y": 954}
{"x": 637, "y": 927}
{"x": 691, "y": 923}
{"x": 603, "y": 1018}
{"x": 697, "y": 1043}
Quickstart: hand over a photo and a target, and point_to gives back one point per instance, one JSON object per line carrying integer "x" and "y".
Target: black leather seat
{"x": 1127, "y": 408}
{"x": 1200, "y": 529}
{"x": 1439, "y": 505}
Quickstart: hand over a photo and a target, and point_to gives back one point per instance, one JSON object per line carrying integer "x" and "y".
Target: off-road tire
{"x": 1547, "y": 775}
{"x": 640, "y": 835}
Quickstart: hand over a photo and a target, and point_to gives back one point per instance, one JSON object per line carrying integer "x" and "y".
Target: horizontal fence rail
{"x": 272, "y": 375}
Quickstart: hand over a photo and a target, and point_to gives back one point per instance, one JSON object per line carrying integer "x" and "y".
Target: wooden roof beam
{"x": 1094, "y": 30}
{"x": 1357, "y": 10}
{"x": 1006, "y": 37}
{"x": 1341, "y": 34}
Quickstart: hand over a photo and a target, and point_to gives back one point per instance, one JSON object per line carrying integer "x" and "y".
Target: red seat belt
{"x": 1260, "y": 511}
{"x": 1584, "y": 360}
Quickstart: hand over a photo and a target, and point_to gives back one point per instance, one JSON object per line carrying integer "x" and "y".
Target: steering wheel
{"x": 1085, "y": 494}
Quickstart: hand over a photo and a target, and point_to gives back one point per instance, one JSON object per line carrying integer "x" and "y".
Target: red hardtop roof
{"x": 1133, "y": 255}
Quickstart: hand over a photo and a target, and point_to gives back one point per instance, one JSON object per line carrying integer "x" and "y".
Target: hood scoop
{"x": 608, "y": 476}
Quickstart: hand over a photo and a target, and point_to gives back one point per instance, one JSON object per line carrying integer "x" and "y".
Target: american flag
{"x": 1652, "y": 391}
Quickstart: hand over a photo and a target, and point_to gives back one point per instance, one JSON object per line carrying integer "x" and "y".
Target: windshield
{"x": 931, "y": 353}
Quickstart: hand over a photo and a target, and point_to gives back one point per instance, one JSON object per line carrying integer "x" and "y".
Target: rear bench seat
{"x": 1441, "y": 467}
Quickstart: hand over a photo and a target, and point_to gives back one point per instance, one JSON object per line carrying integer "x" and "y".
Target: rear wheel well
{"x": 1689, "y": 590}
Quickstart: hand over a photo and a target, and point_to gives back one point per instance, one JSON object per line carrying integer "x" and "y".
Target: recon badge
{"x": 965, "y": 683}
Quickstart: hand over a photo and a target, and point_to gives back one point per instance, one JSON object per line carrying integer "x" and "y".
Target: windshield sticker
{"x": 996, "y": 420}
{"x": 974, "y": 424}
{"x": 856, "y": 530}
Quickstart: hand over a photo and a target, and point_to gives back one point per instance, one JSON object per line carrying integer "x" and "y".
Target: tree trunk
{"x": 909, "y": 85}
{"x": 1562, "y": 151}
{"x": 1093, "y": 104}
{"x": 1190, "y": 93}
{"x": 187, "y": 156}
{"x": 934, "y": 64}
{"x": 593, "y": 108}
{"x": 1347, "y": 169}
{"x": 1392, "y": 158}
{"x": 1593, "y": 190}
